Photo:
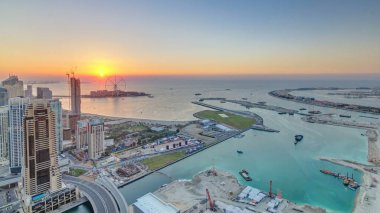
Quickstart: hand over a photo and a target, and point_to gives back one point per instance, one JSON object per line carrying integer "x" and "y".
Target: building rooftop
{"x": 11, "y": 80}
{"x": 149, "y": 203}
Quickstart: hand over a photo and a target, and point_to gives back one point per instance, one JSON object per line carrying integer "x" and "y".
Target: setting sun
{"x": 102, "y": 72}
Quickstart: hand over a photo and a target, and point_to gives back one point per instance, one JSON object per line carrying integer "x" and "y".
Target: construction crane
{"x": 270, "y": 189}
{"x": 211, "y": 203}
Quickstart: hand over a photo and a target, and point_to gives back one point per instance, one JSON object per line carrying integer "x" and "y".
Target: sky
{"x": 189, "y": 37}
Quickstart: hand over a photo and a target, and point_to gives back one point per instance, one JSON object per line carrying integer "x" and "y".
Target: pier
{"x": 263, "y": 128}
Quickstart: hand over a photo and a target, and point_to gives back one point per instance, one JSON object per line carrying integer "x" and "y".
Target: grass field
{"x": 77, "y": 172}
{"x": 161, "y": 160}
{"x": 236, "y": 121}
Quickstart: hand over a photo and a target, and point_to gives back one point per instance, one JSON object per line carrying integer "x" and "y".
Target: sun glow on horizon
{"x": 102, "y": 72}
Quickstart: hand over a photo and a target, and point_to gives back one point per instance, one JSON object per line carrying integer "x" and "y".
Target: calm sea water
{"x": 268, "y": 156}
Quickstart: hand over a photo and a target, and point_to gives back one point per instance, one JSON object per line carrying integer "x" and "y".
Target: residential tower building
{"x": 16, "y": 132}
{"x": 14, "y": 87}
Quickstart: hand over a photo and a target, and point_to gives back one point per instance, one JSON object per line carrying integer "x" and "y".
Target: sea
{"x": 294, "y": 170}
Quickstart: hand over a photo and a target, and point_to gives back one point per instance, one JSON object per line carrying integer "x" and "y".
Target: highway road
{"x": 100, "y": 199}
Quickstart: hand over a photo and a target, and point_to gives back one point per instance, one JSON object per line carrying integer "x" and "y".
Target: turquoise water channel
{"x": 273, "y": 156}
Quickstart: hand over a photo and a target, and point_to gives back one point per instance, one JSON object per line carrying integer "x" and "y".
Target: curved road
{"x": 100, "y": 199}
{"x": 112, "y": 188}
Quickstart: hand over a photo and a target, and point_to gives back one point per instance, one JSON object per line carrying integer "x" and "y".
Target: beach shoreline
{"x": 369, "y": 190}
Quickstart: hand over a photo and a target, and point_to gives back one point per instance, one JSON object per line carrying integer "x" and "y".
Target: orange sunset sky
{"x": 48, "y": 38}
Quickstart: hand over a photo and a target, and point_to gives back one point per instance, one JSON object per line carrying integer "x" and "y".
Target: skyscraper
{"x": 42, "y": 189}
{"x": 3, "y": 96}
{"x": 4, "y": 139}
{"x": 96, "y": 145}
{"x": 75, "y": 95}
{"x": 16, "y": 132}
{"x": 56, "y": 107}
{"x": 90, "y": 135}
{"x": 14, "y": 87}
{"x": 44, "y": 93}
{"x": 40, "y": 169}
{"x": 81, "y": 134}
{"x": 29, "y": 91}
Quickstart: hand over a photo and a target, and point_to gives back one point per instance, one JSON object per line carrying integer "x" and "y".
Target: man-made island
{"x": 285, "y": 95}
{"x": 112, "y": 94}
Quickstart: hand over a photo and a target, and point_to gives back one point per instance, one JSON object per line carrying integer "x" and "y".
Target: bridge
{"x": 101, "y": 200}
{"x": 115, "y": 192}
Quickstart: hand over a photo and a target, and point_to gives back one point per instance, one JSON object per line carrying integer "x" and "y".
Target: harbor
{"x": 254, "y": 161}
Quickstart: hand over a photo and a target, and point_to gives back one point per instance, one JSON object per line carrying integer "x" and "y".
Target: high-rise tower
{"x": 42, "y": 188}
{"x": 16, "y": 132}
{"x": 14, "y": 87}
{"x": 3, "y": 96}
{"x": 40, "y": 168}
{"x": 4, "y": 138}
{"x": 90, "y": 135}
{"x": 56, "y": 107}
{"x": 75, "y": 96}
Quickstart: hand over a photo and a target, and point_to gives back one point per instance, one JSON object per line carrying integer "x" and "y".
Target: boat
{"x": 315, "y": 112}
{"x": 302, "y": 109}
{"x": 197, "y": 94}
{"x": 239, "y": 136}
{"x": 346, "y": 182}
{"x": 245, "y": 175}
{"x": 298, "y": 138}
{"x": 353, "y": 186}
{"x": 345, "y": 116}
{"x": 291, "y": 113}
{"x": 282, "y": 113}
{"x": 239, "y": 151}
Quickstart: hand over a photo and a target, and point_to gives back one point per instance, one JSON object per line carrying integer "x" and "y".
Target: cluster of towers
{"x": 31, "y": 140}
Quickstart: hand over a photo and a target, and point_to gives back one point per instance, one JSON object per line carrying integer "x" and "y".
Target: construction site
{"x": 218, "y": 191}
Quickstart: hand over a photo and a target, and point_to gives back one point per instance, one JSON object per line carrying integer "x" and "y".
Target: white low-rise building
{"x": 149, "y": 203}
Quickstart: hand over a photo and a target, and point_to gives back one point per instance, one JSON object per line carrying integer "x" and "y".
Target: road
{"x": 100, "y": 199}
{"x": 112, "y": 188}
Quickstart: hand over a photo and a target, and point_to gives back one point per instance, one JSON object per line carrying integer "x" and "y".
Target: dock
{"x": 263, "y": 128}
